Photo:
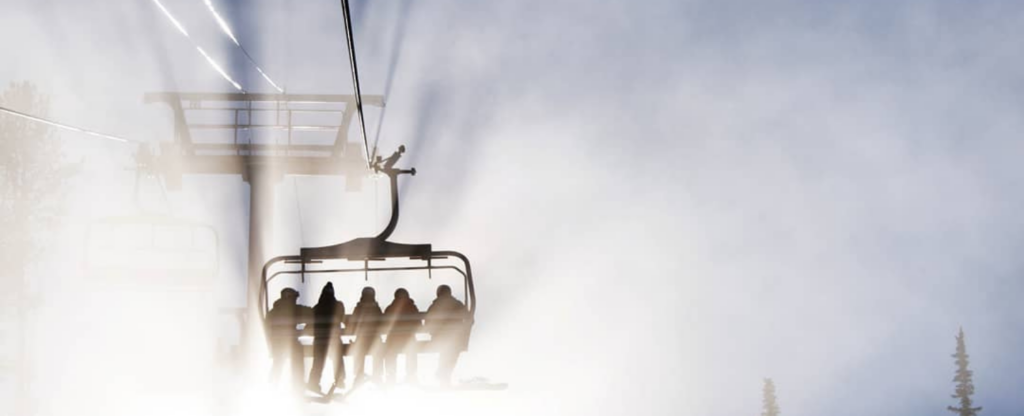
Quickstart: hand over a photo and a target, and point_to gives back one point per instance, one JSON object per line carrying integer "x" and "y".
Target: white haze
{"x": 664, "y": 202}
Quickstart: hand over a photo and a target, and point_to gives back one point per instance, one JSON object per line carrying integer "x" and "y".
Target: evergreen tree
{"x": 32, "y": 186}
{"x": 32, "y": 179}
{"x": 771, "y": 406}
{"x": 963, "y": 379}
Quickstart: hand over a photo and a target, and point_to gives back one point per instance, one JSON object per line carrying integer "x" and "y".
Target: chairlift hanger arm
{"x": 387, "y": 167}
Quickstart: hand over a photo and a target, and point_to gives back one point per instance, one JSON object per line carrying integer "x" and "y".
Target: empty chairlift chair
{"x": 152, "y": 251}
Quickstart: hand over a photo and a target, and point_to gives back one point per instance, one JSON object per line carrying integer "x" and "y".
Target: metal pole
{"x": 261, "y": 203}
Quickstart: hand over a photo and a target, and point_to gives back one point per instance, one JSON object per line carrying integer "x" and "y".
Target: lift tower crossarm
{"x": 167, "y": 97}
{"x": 304, "y": 149}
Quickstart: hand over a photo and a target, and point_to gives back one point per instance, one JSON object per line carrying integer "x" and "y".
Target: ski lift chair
{"x": 324, "y": 260}
{"x": 151, "y": 249}
{"x": 155, "y": 250}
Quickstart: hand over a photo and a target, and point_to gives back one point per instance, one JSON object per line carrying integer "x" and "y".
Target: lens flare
{"x": 213, "y": 63}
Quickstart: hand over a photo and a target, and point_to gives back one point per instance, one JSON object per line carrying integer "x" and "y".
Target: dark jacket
{"x": 366, "y": 318}
{"x": 327, "y": 317}
{"x": 285, "y": 316}
{"x": 402, "y": 318}
{"x": 446, "y": 314}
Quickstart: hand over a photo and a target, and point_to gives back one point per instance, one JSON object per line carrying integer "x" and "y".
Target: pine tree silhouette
{"x": 963, "y": 379}
{"x": 771, "y": 406}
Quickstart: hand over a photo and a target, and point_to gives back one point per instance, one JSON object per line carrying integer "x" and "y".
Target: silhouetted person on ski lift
{"x": 446, "y": 322}
{"x": 327, "y": 316}
{"x": 282, "y": 321}
{"x": 402, "y": 320}
{"x": 365, "y": 323}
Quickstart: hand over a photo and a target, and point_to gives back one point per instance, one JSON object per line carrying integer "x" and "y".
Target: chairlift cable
{"x": 380, "y": 125}
{"x": 66, "y": 126}
{"x": 224, "y": 27}
{"x": 355, "y": 80}
{"x": 398, "y": 38}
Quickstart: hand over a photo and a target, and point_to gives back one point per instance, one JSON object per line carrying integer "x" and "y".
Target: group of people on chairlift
{"x": 445, "y": 321}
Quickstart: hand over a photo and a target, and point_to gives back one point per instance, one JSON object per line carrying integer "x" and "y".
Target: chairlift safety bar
{"x": 466, "y": 273}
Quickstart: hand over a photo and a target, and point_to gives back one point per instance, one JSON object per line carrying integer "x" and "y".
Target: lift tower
{"x": 261, "y": 137}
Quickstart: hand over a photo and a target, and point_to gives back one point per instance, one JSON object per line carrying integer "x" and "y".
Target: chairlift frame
{"x": 369, "y": 249}
{"x": 144, "y": 169}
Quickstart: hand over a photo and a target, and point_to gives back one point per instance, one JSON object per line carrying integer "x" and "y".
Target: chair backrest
{"x": 154, "y": 251}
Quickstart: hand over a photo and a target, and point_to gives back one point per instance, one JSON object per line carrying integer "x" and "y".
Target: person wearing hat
{"x": 327, "y": 316}
{"x": 446, "y": 321}
{"x": 282, "y": 322}
{"x": 402, "y": 320}
{"x": 365, "y": 322}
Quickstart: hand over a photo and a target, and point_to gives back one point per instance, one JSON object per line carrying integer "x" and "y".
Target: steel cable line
{"x": 224, "y": 27}
{"x": 142, "y": 148}
{"x": 355, "y": 80}
{"x": 66, "y": 126}
{"x": 214, "y": 64}
{"x": 396, "y": 48}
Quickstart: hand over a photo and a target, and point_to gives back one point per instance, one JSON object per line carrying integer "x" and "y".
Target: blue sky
{"x": 666, "y": 200}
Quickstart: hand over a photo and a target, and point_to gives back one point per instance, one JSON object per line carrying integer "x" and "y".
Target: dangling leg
{"x": 298, "y": 366}
{"x": 446, "y": 365}
{"x": 390, "y": 363}
{"x": 339, "y": 365}
{"x": 320, "y": 347}
{"x": 359, "y": 356}
{"x": 377, "y": 361}
{"x": 411, "y": 362}
{"x": 405, "y": 346}
{"x": 279, "y": 357}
